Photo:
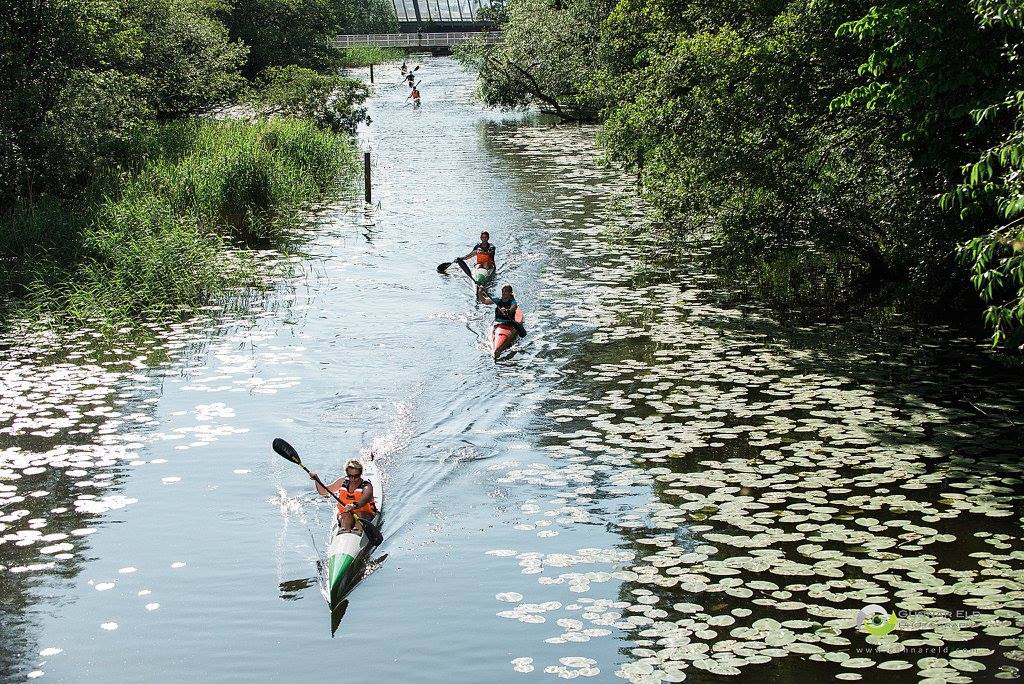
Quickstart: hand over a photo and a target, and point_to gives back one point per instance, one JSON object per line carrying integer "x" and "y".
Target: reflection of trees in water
{"x": 925, "y": 388}
{"x": 164, "y": 347}
{"x": 905, "y": 373}
{"x": 20, "y": 591}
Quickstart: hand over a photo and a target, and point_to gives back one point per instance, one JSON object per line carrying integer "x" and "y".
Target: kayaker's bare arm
{"x": 367, "y": 496}
{"x": 482, "y": 296}
{"x": 320, "y": 489}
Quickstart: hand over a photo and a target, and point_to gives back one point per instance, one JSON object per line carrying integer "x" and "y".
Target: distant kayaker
{"x": 354, "y": 491}
{"x": 410, "y": 79}
{"x": 483, "y": 251}
{"x": 415, "y": 97}
{"x": 404, "y": 68}
{"x": 504, "y": 308}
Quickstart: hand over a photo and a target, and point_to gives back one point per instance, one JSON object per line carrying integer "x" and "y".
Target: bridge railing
{"x": 425, "y": 40}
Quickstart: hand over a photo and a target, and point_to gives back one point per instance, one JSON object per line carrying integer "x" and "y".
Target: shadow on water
{"x": 336, "y": 616}
{"x": 292, "y": 590}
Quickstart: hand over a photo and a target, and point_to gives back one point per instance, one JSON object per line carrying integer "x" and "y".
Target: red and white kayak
{"x": 504, "y": 335}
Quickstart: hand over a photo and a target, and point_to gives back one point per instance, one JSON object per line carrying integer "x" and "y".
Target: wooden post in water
{"x": 366, "y": 177}
{"x": 371, "y": 73}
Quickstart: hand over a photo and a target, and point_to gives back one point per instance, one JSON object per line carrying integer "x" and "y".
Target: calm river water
{"x": 662, "y": 482}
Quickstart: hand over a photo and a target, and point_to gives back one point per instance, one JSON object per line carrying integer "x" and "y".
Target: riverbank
{"x": 166, "y": 233}
{"x": 826, "y": 175}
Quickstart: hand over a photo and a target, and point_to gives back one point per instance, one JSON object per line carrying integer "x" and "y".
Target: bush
{"x": 158, "y": 237}
{"x": 547, "y": 57}
{"x": 80, "y": 79}
{"x": 365, "y": 56}
{"x": 333, "y": 102}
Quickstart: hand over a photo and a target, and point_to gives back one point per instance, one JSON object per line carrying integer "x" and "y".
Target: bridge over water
{"x": 432, "y": 25}
{"x": 414, "y": 15}
{"x": 427, "y": 41}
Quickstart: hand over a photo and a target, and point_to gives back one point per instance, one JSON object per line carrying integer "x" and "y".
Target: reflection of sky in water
{"x": 439, "y": 10}
{"x": 666, "y": 483}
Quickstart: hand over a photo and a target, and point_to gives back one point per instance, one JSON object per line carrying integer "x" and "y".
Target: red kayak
{"x": 503, "y": 335}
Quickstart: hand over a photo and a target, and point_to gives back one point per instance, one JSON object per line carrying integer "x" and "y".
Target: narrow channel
{"x": 659, "y": 468}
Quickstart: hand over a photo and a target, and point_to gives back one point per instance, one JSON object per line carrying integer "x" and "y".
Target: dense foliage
{"x": 82, "y": 77}
{"x": 811, "y": 141}
{"x": 158, "y": 238}
{"x": 547, "y": 57}
{"x": 330, "y": 101}
{"x": 107, "y": 180}
{"x": 284, "y": 32}
{"x": 728, "y": 114}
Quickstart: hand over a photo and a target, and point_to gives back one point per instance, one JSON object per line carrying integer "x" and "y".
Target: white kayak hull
{"x": 347, "y": 551}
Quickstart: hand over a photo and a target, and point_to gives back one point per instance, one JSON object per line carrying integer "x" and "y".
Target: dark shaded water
{"x": 658, "y": 484}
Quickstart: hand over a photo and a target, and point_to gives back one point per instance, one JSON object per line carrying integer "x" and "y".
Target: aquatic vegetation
{"x": 162, "y": 238}
{"x": 770, "y": 488}
{"x": 365, "y": 56}
{"x": 729, "y": 491}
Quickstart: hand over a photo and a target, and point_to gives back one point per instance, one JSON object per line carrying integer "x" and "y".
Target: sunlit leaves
{"x": 547, "y": 57}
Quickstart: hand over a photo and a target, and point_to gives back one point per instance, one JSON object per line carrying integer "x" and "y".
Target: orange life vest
{"x": 485, "y": 258}
{"x": 367, "y": 510}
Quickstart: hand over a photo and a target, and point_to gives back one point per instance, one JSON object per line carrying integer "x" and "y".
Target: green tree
{"x": 333, "y": 102}
{"x": 725, "y": 110}
{"x": 300, "y": 32}
{"x": 952, "y": 71}
{"x": 81, "y": 78}
{"x": 65, "y": 106}
{"x": 189, "y": 62}
{"x": 993, "y": 184}
{"x": 547, "y": 56}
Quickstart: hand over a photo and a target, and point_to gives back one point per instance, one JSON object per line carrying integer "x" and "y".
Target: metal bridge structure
{"x": 434, "y": 25}
{"x": 439, "y": 15}
{"x": 427, "y": 41}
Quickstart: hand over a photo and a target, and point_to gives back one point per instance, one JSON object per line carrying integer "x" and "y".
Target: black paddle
{"x": 441, "y": 268}
{"x": 288, "y": 452}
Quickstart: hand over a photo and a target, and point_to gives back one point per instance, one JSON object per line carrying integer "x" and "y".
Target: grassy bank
{"x": 164, "y": 234}
{"x": 365, "y": 56}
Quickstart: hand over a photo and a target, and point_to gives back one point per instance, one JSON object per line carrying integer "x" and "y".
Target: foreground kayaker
{"x": 354, "y": 491}
{"x": 504, "y": 308}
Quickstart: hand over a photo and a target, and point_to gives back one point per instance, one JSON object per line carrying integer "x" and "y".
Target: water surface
{"x": 662, "y": 481}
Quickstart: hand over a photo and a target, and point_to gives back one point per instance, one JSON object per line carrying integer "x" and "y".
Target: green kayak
{"x": 348, "y": 551}
{"x": 482, "y": 276}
